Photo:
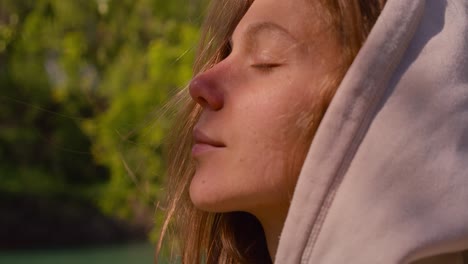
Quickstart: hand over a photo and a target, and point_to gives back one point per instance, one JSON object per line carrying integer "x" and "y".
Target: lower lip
{"x": 199, "y": 149}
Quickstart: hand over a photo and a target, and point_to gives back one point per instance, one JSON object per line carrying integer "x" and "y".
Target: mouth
{"x": 204, "y": 143}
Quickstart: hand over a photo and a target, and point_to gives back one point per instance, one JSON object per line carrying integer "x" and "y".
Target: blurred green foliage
{"x": 82, "y": 85}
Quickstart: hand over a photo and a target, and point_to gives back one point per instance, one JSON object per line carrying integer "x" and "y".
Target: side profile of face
{"x": 257, "y": 107}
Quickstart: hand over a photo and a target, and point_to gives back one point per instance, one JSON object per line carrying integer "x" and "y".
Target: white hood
{"x": 386, "y": 176}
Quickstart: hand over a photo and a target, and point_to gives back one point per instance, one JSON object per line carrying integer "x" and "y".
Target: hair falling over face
{"x": 238, "y": 237}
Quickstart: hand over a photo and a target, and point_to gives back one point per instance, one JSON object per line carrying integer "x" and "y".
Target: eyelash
{"x": 265, "y": 67}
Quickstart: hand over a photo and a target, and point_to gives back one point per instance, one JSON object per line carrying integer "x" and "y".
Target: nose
{"x": 206, "y": 92}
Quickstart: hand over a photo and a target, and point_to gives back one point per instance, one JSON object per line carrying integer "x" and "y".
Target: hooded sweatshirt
{"x": 386, "y": 176}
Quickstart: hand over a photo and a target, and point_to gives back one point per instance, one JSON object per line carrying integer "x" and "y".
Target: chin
{"x": 208, "y": 205}
{"x": 206, "y": 198}
{"x": 206, "y": 201}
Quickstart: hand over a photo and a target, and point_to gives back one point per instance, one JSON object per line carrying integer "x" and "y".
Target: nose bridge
{"x": 207, "y": 88}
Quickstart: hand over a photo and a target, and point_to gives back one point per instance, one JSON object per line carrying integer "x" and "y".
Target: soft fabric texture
{"x": 386, "y": 177}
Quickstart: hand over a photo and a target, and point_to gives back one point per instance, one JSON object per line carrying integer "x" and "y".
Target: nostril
{"x": 201, "y": 101}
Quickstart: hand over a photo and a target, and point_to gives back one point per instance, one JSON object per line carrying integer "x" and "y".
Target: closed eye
{"x": 266, "y": 66}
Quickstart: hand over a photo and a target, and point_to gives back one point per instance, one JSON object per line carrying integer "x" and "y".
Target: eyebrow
{"x": 254, "y": 29}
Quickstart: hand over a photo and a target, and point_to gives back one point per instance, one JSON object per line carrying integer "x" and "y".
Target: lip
{"x": 204, "y": 143}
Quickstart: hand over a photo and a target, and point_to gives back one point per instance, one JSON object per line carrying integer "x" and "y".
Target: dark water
{"x": 122, "y": 254}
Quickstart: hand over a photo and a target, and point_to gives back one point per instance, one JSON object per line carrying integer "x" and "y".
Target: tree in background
{"x": 82, "y": 85}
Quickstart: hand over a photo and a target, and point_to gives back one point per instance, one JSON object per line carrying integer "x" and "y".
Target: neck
{"x": 272, "y": 224}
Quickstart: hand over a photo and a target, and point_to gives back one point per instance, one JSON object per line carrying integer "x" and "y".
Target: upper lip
{"x": 201, "y": 138}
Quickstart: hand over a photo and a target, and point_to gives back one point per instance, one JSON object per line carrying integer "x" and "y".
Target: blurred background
{"x": 82, "y": 127}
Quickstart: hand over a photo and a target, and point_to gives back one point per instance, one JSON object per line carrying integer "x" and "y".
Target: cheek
{"x": 274, "y": 118}
{"x": 274, "y": 130}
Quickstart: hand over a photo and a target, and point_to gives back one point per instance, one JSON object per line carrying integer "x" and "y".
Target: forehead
{"x": 300, "y": 18}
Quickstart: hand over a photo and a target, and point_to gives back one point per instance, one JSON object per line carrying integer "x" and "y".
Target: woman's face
{"x": 257, "y": 107}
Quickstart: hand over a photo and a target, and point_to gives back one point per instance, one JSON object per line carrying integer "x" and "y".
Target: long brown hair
{"x": 238, "y": 237}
